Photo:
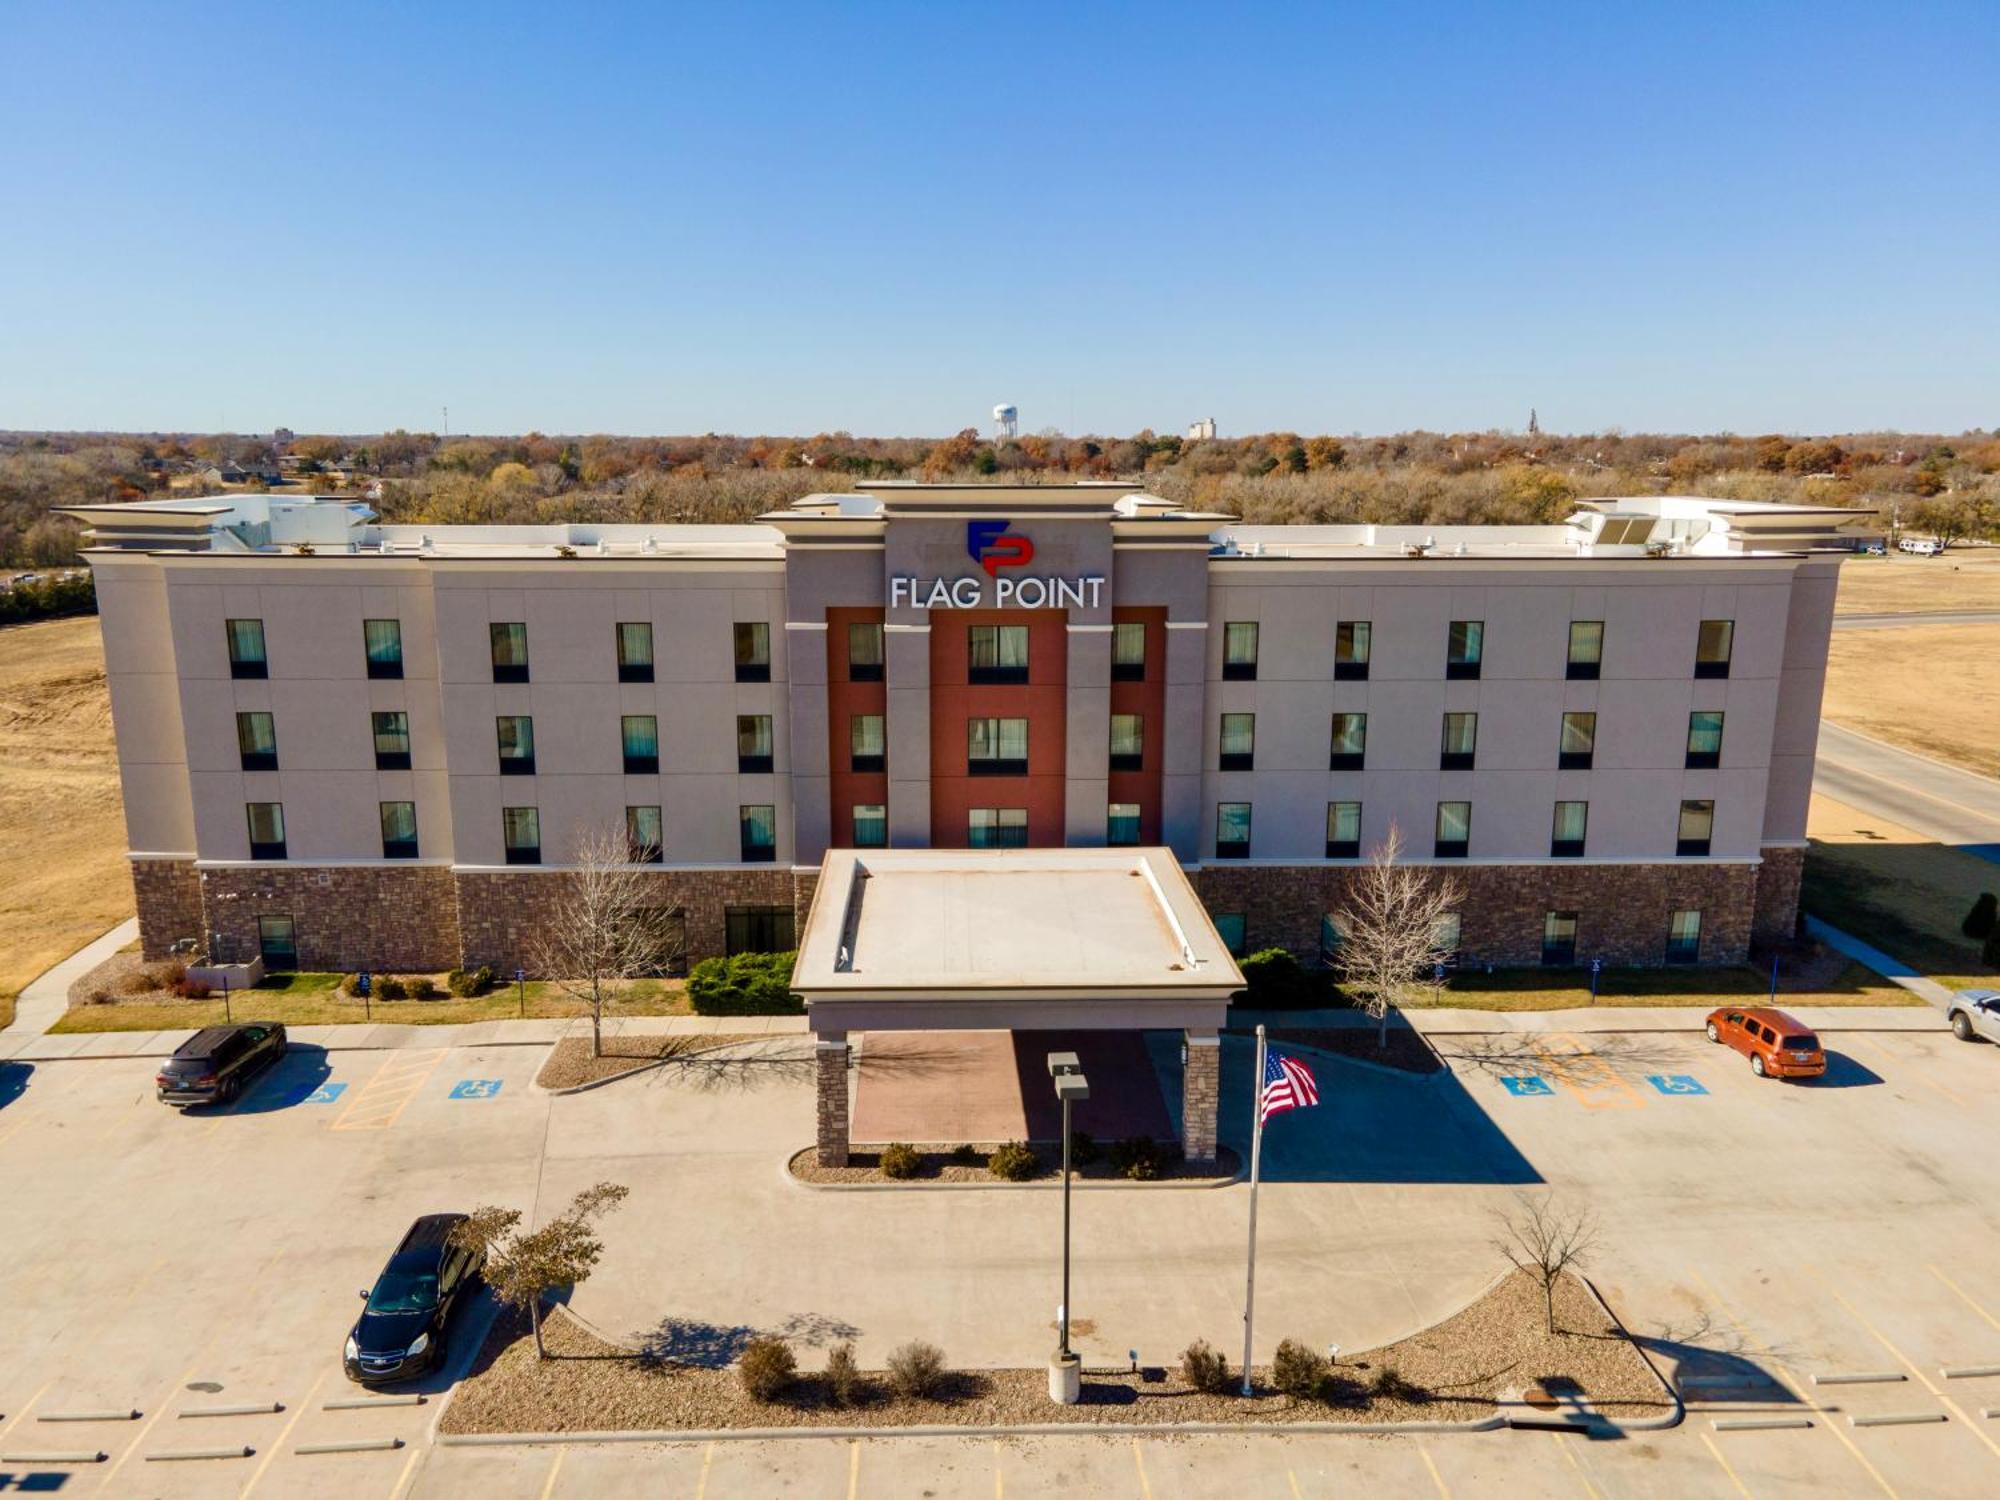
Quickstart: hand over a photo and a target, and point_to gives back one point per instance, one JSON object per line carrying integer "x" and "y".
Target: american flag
{"x": 1288, "y": 1084}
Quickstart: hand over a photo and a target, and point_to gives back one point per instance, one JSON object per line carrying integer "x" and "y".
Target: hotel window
{"x": 1578, "y": 745}
{"x": 997, "y": 828}
{"x": 1330, "y": 939}
{"x": 639, "y": 740}
{"x": 1239, "y": 651}
{"x": 1128, "y": 651}
{"x": 1454, "y": 830}
{"x": 521, "y": 830}
{"x": 1121, "y": 824}
{"x": 1697, "y": 827}
{"x": 635, "y": 650}
{"x": 516, "y": 735}
{"x": 871, "y": 825}
{"x": 1232, "y": 830}
{"x": 757, "y": 833}
{"x": 1445, "y": 934}
{"x": 997, "y": 653}
{"x": 384, "y": 642}
{"x": 267, "y": 829}
{"x": 1350, "y": 742}
{"x": 1343, "y": 830}
{"x": 1352, "y": 640}
{"x": 1460, "y": 742}
{"x": 867, "y": 743}
{"x": 1567, "y": 835}
{"x": 1704, "y": 750}
{"x": 392, "y": 740}
{"x": 1128, "y": 742}
{"x": 753, "y": 651}
{"x": 510, "y": 652}
{"x": 996, "y": 747}
{"x": 399, "y": 830}
{"x": 1239, "y": 742}
{"x": 1230, "y": 928}
{"x": 758, "y": 929}
{"x": 246, "y": 648}
{"x": 753, "y": 743}
{"x": 1586, "y": 650}
{"x": 1712, "y": 647}
{"x": 1684, "y": 937}
{"x": 1559, "y": 939}
{"x": 278, "y": 944}
{"x": 1465, "y": 648}
{"x": 645, "y": 835}
{"x": 864, "y": 651}
{"x": 257, "y": 741}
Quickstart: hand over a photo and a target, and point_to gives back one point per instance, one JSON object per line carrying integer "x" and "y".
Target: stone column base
{"x": 830, "y": 1055}
{"x": 1201, "y": 1088}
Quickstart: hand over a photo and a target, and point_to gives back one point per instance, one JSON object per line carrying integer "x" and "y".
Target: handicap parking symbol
{"x": 474, "y": 1088}
{"x": 1675, "y": 1083}
{"x": 326, "y": 1093}
{"x": 1529, "y": 1088}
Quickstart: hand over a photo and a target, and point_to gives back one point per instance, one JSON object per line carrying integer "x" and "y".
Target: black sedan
{"x": 401, "y": 1332}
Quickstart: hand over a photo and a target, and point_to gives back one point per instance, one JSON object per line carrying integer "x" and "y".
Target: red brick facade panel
{"x": 1779, "y": 878}
{"x": 392, "y": 917}
{"x": 168, "y": 895}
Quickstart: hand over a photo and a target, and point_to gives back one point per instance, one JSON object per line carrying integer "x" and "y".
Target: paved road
{"x": 1918, "y": 617}
{"x": 1924, "y": 795}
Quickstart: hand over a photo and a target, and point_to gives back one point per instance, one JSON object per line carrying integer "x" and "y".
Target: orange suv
{"x": 1777, "y": 1045}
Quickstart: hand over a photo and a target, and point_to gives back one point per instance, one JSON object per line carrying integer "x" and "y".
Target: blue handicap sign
{"x": 1529, "y": 1088}
{"x": 364, "y": 983}
{"x": 475, "y": 1088}
{"x": 326, "y": 1093}
{"x": 1675, "y": 1083}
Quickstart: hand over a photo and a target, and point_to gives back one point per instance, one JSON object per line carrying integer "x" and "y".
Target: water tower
{"x": 1006, "y": 421}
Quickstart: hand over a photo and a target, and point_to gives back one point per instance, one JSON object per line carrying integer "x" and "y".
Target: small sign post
{"x": 1596, "y": 968}
{"x": 521, "y": 983}
{"x": 364, "y": 985}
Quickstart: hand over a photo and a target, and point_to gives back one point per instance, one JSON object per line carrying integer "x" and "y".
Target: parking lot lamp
{"x": 1065, "y": 1369}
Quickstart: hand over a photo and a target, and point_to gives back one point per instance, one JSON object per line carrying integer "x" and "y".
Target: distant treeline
{"x": 46, "y": 598}
{"x": 1930, "y": 481}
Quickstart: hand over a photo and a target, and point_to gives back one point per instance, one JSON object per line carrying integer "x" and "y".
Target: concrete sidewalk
{"x": 1892, "y": 969}
{"x": 42, "y": 1003}
{"x": 1448, "y": 1021}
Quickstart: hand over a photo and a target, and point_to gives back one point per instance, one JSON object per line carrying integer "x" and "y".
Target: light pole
{"x": 1065, "y": 1369}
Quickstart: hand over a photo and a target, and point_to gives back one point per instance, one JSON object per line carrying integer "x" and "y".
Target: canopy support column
{"x": 830, "y": 1056}
{"x": 1201, "y": 1088}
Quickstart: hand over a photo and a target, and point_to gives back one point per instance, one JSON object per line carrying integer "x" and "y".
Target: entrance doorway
{"x": 278, "y": 944}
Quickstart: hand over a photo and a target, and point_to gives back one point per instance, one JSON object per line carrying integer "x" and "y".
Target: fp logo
{"x": 993, "y": 549}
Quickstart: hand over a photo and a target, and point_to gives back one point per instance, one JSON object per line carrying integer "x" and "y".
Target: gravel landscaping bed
{"x": 1453, "y": 1372}
{"x": 570, "y": 1063}
{"x": 1407, "y": 1051}
{"x": 864, "y": 1167}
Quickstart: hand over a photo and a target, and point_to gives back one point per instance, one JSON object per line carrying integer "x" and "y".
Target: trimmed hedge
{"x": 749, "y": 984}
{"x": 1276, "y": 980}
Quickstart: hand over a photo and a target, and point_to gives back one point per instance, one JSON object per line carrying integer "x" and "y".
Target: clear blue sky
{"x": 885, "y": 218}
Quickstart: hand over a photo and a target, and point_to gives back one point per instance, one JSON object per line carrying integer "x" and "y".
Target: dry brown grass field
{"x": 63, "y": 879}
{"x": 1934, "y": 689}
{"x": 1964, "y": 578}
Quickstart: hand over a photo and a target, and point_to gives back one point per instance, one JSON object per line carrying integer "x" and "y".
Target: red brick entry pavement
{"x": 982, "y": 1087}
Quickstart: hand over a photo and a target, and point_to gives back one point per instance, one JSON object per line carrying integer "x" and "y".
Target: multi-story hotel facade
{"x": 350, "y": 745}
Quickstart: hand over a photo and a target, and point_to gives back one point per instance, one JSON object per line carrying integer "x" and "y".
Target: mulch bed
{"x": 103, "y": 985}
{"x": 570, "y": 1063}
{"x": 1406, "y": 1051}
{"x": 1453, "y": 1372}
{"x": 943, "y": 1166}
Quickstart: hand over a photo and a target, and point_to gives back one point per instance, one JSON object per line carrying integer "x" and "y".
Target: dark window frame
{"x": 756, "y": 854}
{"x": 1242, "y": 671}
{"x": 1236, "y": 760}
{"x": 389, "y": 760}
{"x": 397, "y": 848}
{"x": 1465, "y": 669}
{"x": 266, "y": 849}
{"x": 1347, "y": 760}
{"x": 383, "y": 670}
{"x": 1704, "y": 760}
{"x": 999, "y": 674}
{"x": 1559, "y": 952}
{"x": 744, "y": 639}
{"x": 512, "y": 671}
{"x": 866, "y": 671}
{"x": 633, "y": 671}
{"x": 1576, "y": 760}
{"x": 1343, "y": 848}
{"x": 248, "y": 669}
{"x": 515, "y": 765}
{"x": 1584, "y": 671}
{"x": 1354, "y": 668}
{"x": 754, "y": 765}
{"x": 1715, "y": 668}
{"x": 1234, "y": 848}
{"x": 1457, "y": 760}
{"x": 257, "y": 760}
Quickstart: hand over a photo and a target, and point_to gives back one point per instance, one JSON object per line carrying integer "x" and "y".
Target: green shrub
{"x": 1138, "y": 1157}
{"x": 845, "y": 1384}
{"x": 916, "y": 1370}
{"x": 767, "y": 1368}
{"x": 965, "y": 1155}
{"x": 747, "y": 984}
{"x": 1205, "y": 1370}
{"x": 46, "y": 598}
{"x": 1989, "y": 951}
{"x": 193, "y": 989}
{"x": 421, "y": 987}
{"x": 901, "y": 1160}
{"x": 1275, "y": 980}
{"x": 1388, "y": 1384}
{"x": 350, "y": 985}
{"x": 1981, "y": 919}
{"x": 389, "y": 987}
{"x": 1015, "y": 1161}
{"x": 467, "y": 983}
{"x": 1299, "y": 1372}
{"x": 1082, "y": 1149}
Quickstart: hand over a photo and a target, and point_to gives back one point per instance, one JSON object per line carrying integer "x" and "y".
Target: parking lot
{"x": 1754, "y": 1233}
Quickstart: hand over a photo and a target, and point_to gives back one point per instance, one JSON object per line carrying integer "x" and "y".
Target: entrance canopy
{"x": 1010, "y": 939}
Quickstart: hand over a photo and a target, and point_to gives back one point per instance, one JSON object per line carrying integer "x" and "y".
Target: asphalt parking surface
{"x": 1754, "y": 1232}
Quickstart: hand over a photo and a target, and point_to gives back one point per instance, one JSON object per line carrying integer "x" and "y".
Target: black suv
{"x": 213, "y": 1065}
{"x": 401, "y": 1331}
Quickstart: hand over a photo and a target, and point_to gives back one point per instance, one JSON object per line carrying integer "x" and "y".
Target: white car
{"x": 1975, "y": 1013}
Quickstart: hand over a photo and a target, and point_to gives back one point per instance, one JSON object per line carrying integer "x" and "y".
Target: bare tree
{"x": 1547, "y": 1240}
{"x": 601, "y": 933}
{"x": 1389, "y": 928}
{"x": 524, "y": 1267}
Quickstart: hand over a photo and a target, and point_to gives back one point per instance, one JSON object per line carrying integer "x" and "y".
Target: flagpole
{"x": 1256, "y": 1166}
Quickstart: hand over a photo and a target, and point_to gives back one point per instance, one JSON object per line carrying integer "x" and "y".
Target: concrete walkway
{"x": 1892, "y": 969}
{"x": 1447, "y": 1021}
{"x": 42, "y": 1003}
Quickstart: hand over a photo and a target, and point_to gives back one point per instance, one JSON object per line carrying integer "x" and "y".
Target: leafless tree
{"x": 601, "y": 933}
{"x": 1546, "y": 1240}
{"x": 524, "y": 1267}
{"x": 1389, "y": 926}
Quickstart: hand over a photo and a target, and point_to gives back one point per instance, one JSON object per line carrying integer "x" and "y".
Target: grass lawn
{"x": 1897, "y": 890}
{"x": 315, "y": 1000}
{"x": 1545, "y": 989}
{"x": 1933, "y": 689}
{"x": 1961, "y": 579}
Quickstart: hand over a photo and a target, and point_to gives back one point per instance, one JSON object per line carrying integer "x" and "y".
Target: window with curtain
{"x": 516, "y": 736}
{"x": 267, "y": 829}
{"x": 1350, "y": 742}
{"x": 1559, "y": 938}
{"x": 1232, "y": 830}
{"x": 1566, "y": 836}
{"x": 871, "y": 825}
{"x": 1464, "y": 648}
{"x": 510, "y": 651}
{"x": 635, "y": 650}
{"x": 997, "y": 653}
{"x": 1239, "y": 742}
{"x": 757, "y": 826}
{"x": 1713, "y": 644}
{"x": 1352, "y": 640}
{"x": 1454, "y": 830}
{"x": 1697, "y": 827}
{"x": 1230, "y": 927}
{"x": 399, "y": 830}
{"x": 639, "y": 739}
{"x": 521, "y": 831}
{"x": 1128, "y": 742}
{"x": 1128, "y": 651}
{"x": 257, "y": 741}
{"x": 1684, "y": 937}
{"x": 1445, "y": 934}
{"x": 1343, "y": 830}
{"x": 384, "y": 642}
{"x": 997, "y": 827}
{"x": 1577, "y": 747}
{"x": 753, "y": 650}
{"x": 864, "y": 651}
{"x": 753, "y": 742}
{"x": 1704, "y": 746}
{"x": 645, "y": 835}
{"x": 1586, "y": 649}
{"x": 1121, "y": 824}
{"x": 1459, "y": 743}
{"x": 996, "y": 747}
{"x": 758, "y": 929}
{"x": 867, "y": 742}
{"x": 392, "y": 740}
{"x": 1239, "y": 650}
{"x": 246, "y": 648}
